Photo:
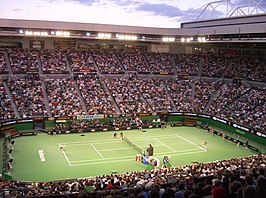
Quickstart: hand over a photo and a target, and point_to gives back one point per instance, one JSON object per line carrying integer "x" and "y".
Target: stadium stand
{"x": 3, "y": 64}
{"x": 28, "y": 96}
{"x": 63, "y": 97}
{"x": 97, "y": 101}
{"x": 6, "y": 108}
{"x": 154, "y": 93}
{"x": 134, "y": 60}
{"x": 81, "y": 61}
{"x": 127, "y": 96}
{"x": 93, "y": 94}
{"x": 187, "y": 63}
{"x": 107, "y": 61}
{"x": 161, "y": 63}
{"x": 23, "y": 60}
{"x": 53, "y": 61}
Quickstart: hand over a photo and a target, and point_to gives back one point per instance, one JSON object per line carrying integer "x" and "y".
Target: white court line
{"x": 66, "y": 157}
{"x": 116, "y": 140}
{"x": 132, "y": 156}
{"x": 97, "y": 151}
{"x": 142, "y": 146}
{"x": 191, "y": 142}
{"x": 123, "y": 160}
{"x": 165, "y": 145}
{"x": 126, "y": 148}
{"x": 91, "y": 142}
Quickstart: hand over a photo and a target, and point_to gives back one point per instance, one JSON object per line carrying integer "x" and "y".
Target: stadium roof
{"x": 248, "y": 28}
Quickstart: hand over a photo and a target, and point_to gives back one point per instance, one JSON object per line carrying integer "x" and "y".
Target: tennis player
{"x": 61, "y": 147}
{"x": 204, "y": 143}
{"x": 122, "y": 135}
{"x": 150, "y": 150}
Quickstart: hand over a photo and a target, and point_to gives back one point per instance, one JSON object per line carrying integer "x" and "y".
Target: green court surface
{"x": 92, "y": 154}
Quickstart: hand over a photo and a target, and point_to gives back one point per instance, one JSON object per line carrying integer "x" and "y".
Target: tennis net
{"x": 133, "y": 145}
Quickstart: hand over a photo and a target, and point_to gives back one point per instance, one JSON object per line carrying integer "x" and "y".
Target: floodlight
{"x": 29, "y": 33}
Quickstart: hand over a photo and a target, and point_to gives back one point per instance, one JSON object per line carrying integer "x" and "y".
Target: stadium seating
{"x": 3, "y": 64}
{"x": 134, "y": 60}
{"x": 91, "y": 88}
{"x": 161, "y": 62}
{"x": 81, "y": 61}
{"x": 28, "y": 97}
{"x": 107, "y": 61}
{"x": 23, "y": 60}
{"x": 127, "y": 96}
{"x": 53, "y": 61}
{"x": 97, "y": 101}
{"x": 6, "y": 110}
{"x": 63, "y": 97}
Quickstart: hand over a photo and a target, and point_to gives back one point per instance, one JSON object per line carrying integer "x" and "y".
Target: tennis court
{"x": 118, "y": 150}
{"x": 38, "y": 158}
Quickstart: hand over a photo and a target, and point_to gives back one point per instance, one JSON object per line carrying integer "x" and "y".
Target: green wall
{"x": 225, "y": 127}
{"x": 171, "y": 118}
{"x": 24, "y": 126}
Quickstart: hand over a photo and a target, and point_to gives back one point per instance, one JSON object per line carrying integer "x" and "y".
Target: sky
{"x": 145, "y": 13}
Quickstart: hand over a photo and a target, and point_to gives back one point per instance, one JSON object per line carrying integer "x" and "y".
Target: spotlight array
{"x": 104, "y": 35}
{"x": 109, "y": 36}
{"x": 201, "y": 39}
{"x": 35, "y": 33}
{"x": 189, "y": 39}
{"x": 62, "y": 33}
{"x": 126, "y": 37}
{"x": 168, "y": 39}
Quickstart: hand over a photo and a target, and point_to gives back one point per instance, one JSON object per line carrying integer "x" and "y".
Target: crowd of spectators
{"x": 225, "y": 96}
{"x": 114, "y": 61}
{"x": 107, "y": 61}
{"x": 6, "y": 110}
{"x": 81, "y": 61}
{"x": 96, "y": 99}
{"x": 237, "y": 103}
{"x": 180, "y": 92}
{"x": 161, "y": 62}
{"x": 3, "y": 64}
{"x": 53, "y": 61}
{"x": 143, "y": 95}
{"x": 251, "y": 68}
{"x": 155, "y": 94}
{"x": 127, "y": 96}
{"x": 28, "y": 96}
{"x": 187, "y": 63}
{"x": 23, "y": 60}
{"x": 101, "y": 125}
{"x": 133, "y": 60}
{"x": 203, "y": 92}
{"x": 214, "y": 66}
{"x": 248, "y": 110}
{"x": 232, "y": 178}
{"x": 63, "y": 97}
